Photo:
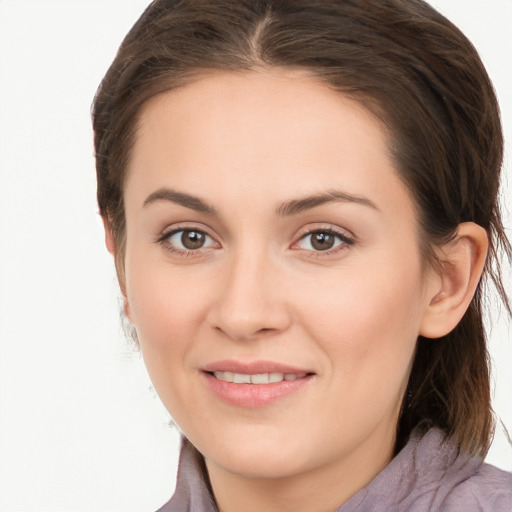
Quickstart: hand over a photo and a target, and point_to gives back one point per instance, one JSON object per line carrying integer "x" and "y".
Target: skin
{"x": 247, "y": 145}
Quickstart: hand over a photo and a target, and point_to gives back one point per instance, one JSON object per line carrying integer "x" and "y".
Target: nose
{"x": 250, "y": 302}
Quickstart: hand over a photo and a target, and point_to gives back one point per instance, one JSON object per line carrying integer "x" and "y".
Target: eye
{"x": 323, "y": 240}
{"x": 186, "y": 240}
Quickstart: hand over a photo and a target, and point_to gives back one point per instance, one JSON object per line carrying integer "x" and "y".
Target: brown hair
{"x": 409, "y": 66}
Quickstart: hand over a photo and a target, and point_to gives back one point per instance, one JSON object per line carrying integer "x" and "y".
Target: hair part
{"x": 410, "y": 67}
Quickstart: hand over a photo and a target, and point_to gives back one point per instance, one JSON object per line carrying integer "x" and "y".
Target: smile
{"x": 255, "y": 384}
{"x": 258, "y": 378}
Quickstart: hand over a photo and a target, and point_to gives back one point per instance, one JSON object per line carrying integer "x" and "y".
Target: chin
{"x": 264, "y": 465}
{"x": 265, "y": 457}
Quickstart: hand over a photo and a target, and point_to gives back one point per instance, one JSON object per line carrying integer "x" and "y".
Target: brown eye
{"x": 188, "y": 240}
{"x": 193, "y": 239}
{"x": 322, "y": 241}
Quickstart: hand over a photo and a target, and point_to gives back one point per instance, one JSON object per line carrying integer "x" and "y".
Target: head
{"x": 398, "y": 65}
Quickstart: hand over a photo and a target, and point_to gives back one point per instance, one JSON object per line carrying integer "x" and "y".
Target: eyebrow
{"x": 186, "y": 200}
{"x": 303, "y": 204}
{"x": 288, "y": 208}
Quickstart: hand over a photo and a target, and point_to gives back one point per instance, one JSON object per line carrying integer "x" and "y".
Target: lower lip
{"x": 254, "y": 395}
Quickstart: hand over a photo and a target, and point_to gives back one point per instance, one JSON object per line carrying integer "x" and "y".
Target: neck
{"x": 323, "y": 489}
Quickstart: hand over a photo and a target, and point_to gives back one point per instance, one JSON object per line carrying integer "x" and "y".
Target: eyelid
{"x": 184, "y": 226}
{"x": 314, "y": 227}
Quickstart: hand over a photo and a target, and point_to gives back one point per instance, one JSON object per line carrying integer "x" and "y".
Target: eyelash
{"x": 344, "y": 241}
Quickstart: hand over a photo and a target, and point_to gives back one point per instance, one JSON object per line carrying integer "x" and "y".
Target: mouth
{"x": 255, "y": 384}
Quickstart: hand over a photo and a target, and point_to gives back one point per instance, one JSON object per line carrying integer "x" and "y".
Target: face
{"x": 273, "y": 272}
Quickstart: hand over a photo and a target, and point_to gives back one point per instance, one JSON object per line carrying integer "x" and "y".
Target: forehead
{"x": 263, "y": 99}
{"x": 265, "y": 134}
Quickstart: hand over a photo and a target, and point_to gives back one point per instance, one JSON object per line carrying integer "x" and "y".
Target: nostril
{"x": 265, "y": 331}
{"x": 248, "y": 319}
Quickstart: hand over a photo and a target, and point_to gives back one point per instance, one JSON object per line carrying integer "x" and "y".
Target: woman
{"x": 301, "y": 198}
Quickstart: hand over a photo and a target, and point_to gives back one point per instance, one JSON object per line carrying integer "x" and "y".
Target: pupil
{"x": 322, "y": 241}
{"x": 192, "y": 239}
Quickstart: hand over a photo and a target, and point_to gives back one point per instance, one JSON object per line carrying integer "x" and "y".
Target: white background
{"x": 80, "y": 426}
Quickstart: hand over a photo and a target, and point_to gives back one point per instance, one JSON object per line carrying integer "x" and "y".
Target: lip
{"x": 254, "y": 395}
{"x": 253, "y": 367}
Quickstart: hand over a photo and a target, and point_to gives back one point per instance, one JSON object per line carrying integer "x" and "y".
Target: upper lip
{"x": 253, "y": 367}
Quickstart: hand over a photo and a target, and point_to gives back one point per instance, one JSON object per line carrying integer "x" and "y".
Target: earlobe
{"x": 453, "y": 286}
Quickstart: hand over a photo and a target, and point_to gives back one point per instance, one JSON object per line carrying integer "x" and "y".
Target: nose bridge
{"x": 248, "y": 303}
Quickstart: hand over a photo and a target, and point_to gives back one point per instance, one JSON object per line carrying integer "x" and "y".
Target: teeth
{"x": 260, "y": 378}
{"x": 240, "y": 378}
{"x": 275, "y": 377}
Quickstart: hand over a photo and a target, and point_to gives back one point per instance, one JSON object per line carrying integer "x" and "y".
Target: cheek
{"x": 367, "y": 321}
{"x": 167, "y": 312}
{"x": 166, "y": 307}
{"x": 157, "y": 294}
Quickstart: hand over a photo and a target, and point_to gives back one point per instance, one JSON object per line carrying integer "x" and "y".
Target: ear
{"x": 109, "y": 237}
{"x": 452, "y": 287}
{"x": 112, "y": 249}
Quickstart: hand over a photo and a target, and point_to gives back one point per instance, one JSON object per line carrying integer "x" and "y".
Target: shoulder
{"x": 431, "y": 474}
{"x": 458, "y": 481}
{"x": 488, "y": 489}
